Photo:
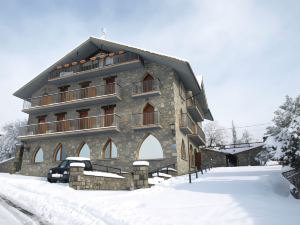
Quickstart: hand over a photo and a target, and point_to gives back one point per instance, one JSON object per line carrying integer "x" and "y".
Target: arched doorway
{"x": 84, "y": 150}
{"x": 148, "y": 83}
{"x": 151, "y": 148}
{"x": 148, "y": 114}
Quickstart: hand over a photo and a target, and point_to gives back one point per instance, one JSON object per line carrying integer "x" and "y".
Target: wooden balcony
{"x": 145, "y": 120}
{"x": 186, "y": 124}
{"x": 194, "y": 109}
{"x": 197, "y": 136}
{"x": 107, "y": 63}
{"x": 86, "y": 125}
{"x": 192, "y": 129}
{"x": 146, "y": 88}
{"x": 79, "y": 97}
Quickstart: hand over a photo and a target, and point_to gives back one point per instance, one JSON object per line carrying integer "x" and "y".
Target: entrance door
{"x": 110, "y": 85}
{"x": 198, "y": 160}
{"x": 61, "y": 124}
{"x": 148, "y": 115}
{"x": 231, "y": 160}
{"x": 83, "y": 120}
{"x": 84, "y": 89}
{"x": 108, "y": 116}
{"x": 42, "y": 126}
{"x": 148, "y": 83}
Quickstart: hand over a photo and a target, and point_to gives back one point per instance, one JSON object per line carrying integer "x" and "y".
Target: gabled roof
{"x": 237, "y": 149}
{"x": 93, "y": 44}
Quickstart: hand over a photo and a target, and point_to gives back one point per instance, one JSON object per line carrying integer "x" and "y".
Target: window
{"x": 84, "y": 151}
{"x": 60, "y": 153}
{"x": 181, "y": 90}
{"x": 38, "y": 156}
{"x": 110, "y": 150}
{"x": 183, "y": 153}
{"x": 148, "y": 114}
{"x": 148, "y": 83}
{"x": 151, "y": 149}
{"x": 110, "y": 85}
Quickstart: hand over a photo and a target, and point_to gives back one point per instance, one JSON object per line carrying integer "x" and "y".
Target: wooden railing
{"x": 186, "y": 121}
{"x": 145, "y": 86}
{"x": 144, "y": 119}
{"x": 102, "y": 121}
{"x": 73, "y": 95}
{"x": 83, "y": 65}
{"x": 191, "y": 101}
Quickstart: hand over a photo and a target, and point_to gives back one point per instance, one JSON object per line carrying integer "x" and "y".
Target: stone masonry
{"x": 124, "y": 181}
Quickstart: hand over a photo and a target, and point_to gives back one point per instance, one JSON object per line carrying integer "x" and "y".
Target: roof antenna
{"x": 103, "y": 33}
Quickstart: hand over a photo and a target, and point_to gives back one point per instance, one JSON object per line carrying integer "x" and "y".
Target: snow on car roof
{"x": 77, "y": 158}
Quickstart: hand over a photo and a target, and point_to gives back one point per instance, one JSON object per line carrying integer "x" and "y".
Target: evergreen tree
{"x": 284, "y": 140}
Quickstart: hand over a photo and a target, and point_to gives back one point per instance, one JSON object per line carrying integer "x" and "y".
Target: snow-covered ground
{"x": 235, "y": 196}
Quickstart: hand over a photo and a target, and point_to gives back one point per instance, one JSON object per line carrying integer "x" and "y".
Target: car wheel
{"x": 51, "y": 181}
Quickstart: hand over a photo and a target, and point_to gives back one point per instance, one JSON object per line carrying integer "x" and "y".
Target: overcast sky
{"x": 247, "y": 51}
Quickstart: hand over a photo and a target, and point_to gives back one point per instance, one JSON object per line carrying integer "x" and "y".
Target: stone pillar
{"x": 76, "y": 180}
{"x": 140, "y": 174}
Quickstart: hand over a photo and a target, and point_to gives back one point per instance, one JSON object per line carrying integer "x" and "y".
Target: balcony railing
{"x": 105, "y": 61}
{"x": 73, "y": 95}
{"x": 189, "y": 127}
{"x": 146, "y": 86}
{"x": 186, "y": 124}
{"x": 195, "y": 109}
{"x": 71, "y": 125}
{"x": 145, "y": 119}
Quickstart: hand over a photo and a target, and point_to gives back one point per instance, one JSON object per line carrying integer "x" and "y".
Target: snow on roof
{"x": 77, "y": 158}
{"x": 77, "y": 164}
{"x": 140, "y": 163}
{"x": 102, "y": 174}
{"x": 240, "y": 149}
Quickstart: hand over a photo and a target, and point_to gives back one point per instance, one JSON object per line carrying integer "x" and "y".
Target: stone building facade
{"x": 105, "y": 101}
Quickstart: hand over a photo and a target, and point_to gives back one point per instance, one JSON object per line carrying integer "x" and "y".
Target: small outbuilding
{"x": 232, "y": 155}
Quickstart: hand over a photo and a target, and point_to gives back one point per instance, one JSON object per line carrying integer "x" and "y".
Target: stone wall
{"x": 247, "y": 158}
{"x": 216, "y": 159}
{"x": 8, "y": 165}
{"x": 124, "y": 181}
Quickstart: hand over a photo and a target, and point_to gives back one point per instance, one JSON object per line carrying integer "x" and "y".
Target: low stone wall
{"x": 8, "y": 166}
{"x": 84, "y": 180}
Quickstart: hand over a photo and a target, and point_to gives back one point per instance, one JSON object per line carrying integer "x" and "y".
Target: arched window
{"x": 183, "y": 153}
{"x": 38, "y": 156}
{"x": 148, "y": 83}
{"x": 151, "y": 149}
{"x": 60, "y": 153}
{"x": 110, "y": 150}
{"x": 84, "y": 151}
{"x": 148, "y": 114}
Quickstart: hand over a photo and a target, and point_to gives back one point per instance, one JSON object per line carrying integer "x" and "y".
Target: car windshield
{"x": 63, "y": 164}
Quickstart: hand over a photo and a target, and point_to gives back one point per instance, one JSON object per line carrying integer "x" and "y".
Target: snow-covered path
{"x": 241, "y": 195}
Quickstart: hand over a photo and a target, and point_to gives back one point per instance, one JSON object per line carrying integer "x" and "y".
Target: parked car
{"x": 61, "y": 173}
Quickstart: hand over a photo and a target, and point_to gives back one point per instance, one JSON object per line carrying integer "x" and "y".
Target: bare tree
{"x": 215, "y": 134}
{"x": 234, "y": 135}
{"x": 9, "y": 138}
{"x": 246, "y": 137}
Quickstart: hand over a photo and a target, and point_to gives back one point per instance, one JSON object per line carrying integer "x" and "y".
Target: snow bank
{"x": 161, "y": 175}
{"x": 224, "y": 196}
{"x": 77, "y": 158}
{"x": 140, "y": 163}
{"x": 102, "y": 174}
{"x": 77, "y": 164}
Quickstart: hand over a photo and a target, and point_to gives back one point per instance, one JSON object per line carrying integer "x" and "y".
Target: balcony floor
{"x": 69, "y": 133}
{"x": 74, "y": 103}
